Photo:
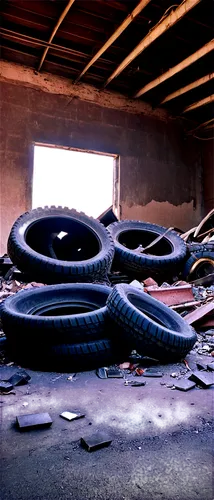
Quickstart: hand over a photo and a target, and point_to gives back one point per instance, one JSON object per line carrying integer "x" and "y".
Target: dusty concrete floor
{"x": 161, "y": 448}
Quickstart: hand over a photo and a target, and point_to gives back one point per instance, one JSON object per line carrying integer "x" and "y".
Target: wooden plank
{"x": 189, "y": 87}
{"x": 176, "y": 69}
{"x": 56, "y": 27}
{"x": 198, "y": 104}
{"x": 114, "y": 36}
{"x": 155, "y": 32}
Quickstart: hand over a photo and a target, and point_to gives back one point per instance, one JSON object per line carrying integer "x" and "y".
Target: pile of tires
{"x": 63, "y": 326}
{"x": 81, "y": 326}
{"x": 74, "y": 323}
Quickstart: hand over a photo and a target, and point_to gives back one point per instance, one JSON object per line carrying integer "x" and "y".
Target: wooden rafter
{"x": 65, "y": 11}
{"x": 115, "y": 35}
{"x": 157, "y": 31}
{"x": 198, "y": 104}
{"x": 176, "y": 69}
{"x": 189, "y": 87}
{"x": 202, "y": 125}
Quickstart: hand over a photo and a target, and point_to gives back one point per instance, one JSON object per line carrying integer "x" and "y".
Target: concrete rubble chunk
{"x": 19, "y": 378}
{"x": 210, "y": 366}
{"x": 201, "y": 366}
{"x": 68, "y": 415}
{"x": 33, "y": 421}
{"x": 96, "y": 441}
{"x": 184, "y": 384}
{"x": 5, "y": 386}
{"x": 202, "y": 378}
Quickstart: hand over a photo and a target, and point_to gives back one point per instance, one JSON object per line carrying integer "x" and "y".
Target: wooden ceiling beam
{"x": 176, "y": 69}
{"x": 56, "y": 27}
{"x": 114, "y": 36}
{"x": 155, "y": 32}
{"x": 198, "y": 104}
{"x": 189, "y": 87}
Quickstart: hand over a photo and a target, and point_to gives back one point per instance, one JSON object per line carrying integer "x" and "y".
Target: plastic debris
{"x": 114, "y": 373}
{"x": 102, "y": 372}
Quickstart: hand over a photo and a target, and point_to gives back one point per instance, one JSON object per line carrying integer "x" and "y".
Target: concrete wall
{"x": 160, "y": 168}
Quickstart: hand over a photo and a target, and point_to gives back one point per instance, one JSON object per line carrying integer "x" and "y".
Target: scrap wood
{"x": 199, "y": 313}
{"x": 204, "y": 220}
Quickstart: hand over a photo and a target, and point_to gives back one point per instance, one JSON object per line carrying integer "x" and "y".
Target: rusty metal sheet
{"x": 199, "y": 313}
{"x": 172, "y": 296}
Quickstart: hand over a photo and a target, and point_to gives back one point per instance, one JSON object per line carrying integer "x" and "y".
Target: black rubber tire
{"x": 67, "y": 358}
{"x": 140, "y": 264}
{"x": 57, "y": 314}
{"x": 206, "y": 265}
{"x": 198, "y": 248}
{"x": 151, "y": 327}
{"x": 34, "y": 248}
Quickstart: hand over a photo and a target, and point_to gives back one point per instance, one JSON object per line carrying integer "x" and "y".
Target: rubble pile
{"x": 142, "y": 264}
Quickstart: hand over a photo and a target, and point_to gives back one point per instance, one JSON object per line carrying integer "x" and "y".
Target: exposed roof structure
{"x": 148, "y": 49}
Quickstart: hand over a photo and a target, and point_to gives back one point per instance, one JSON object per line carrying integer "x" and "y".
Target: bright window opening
{"x": 74, "y": 179}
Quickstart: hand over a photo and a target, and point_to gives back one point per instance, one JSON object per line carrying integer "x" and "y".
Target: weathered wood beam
{"x": 65, "y": 11}
{"x": 198, "y": 104}
{"x": 155, "y": 32}
{"x": 114, "y": 36}
{"x": 189, "y": 87}
{"x": 202, "y": 125}
{"x": 176, "y": 69}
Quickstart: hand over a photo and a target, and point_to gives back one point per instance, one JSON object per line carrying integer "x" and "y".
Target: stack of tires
{"x": 76, "y": 321}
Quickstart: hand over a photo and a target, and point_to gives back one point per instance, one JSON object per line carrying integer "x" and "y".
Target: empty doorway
{"x": 82, "y": 180}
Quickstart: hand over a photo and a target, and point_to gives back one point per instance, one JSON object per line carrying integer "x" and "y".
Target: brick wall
{"x": 160, "y": 168}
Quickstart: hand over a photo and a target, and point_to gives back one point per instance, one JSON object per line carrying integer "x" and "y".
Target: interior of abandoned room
{"x": 106, "y": 249}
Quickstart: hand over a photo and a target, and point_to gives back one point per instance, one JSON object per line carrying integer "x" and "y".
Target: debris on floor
{"x": 19, "y": 378}
{"x": 68, "y": 415}
{"x": 202, "y": 378}
{"x": 102, "y": 372}
{"x": 95, "y": 441}
{"x": 184, "y": 384}
{"x": 33, "y": 421}
{"x": 5, "y": 386}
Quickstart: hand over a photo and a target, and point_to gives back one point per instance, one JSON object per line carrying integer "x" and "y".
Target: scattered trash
{"x": 175, "y": 374}
{"x": 186, "y": 364}
{"x": 5, "y": 386}
{"x": 102, "y": 372}
{"x": 139, "y": 372}
{"x": 33, "y": 421}
{"x": 184, "y": 384}
{"x": 25, "y": 404}
{"x": 114, "y": 373}
{"x": 125, "y": 366}
{"x": 134, "y": 383}
{"x": 137, "y": 284}
{"x": 152, "y": 373}
{"x": 202, "y": 378}
{"x": 19, "y": 378}
{"x": 67, "y": 415}
{"x": 96, "y": 441}
{"x": 150, "y": 282}
{"x": 71, "y": 377}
